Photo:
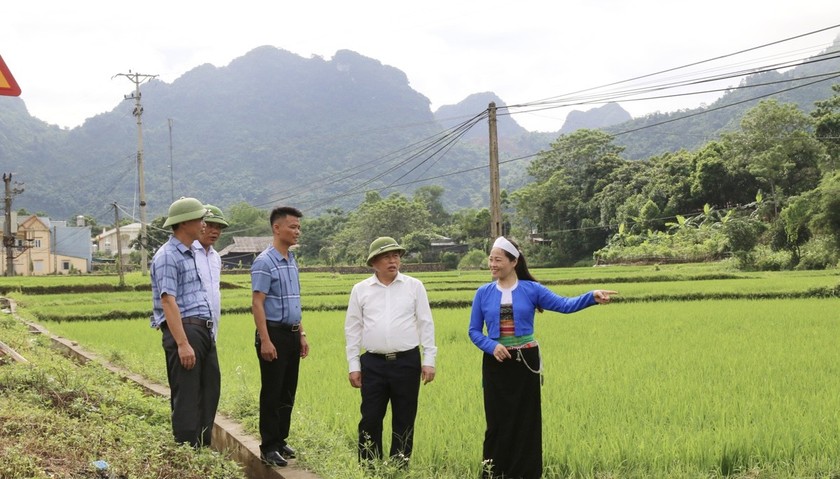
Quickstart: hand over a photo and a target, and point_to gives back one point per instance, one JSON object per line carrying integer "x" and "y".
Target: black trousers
{"x": 279, "y": 380}
{"x": 513, "y": 410}
{"x": 396, "y": 381}
{"x": 194, "y": 393}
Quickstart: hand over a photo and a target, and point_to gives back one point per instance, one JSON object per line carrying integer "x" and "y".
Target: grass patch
{"x": 57, "y": 418}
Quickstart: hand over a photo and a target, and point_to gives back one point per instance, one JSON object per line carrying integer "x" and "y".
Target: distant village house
{"x": 41, "y": 246}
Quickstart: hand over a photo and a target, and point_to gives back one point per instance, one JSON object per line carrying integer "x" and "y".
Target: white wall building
{"x": 107, "y": 241}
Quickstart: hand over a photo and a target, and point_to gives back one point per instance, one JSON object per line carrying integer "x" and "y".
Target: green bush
{"x": 688, "y": 244}
{"x": 449, "y": 259}
{"x": 474, "y": 259}
{"x": 768, "y": 260}
{"x": 818, "y": 253}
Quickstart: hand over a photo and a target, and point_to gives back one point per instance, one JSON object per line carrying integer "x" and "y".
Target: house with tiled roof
{"x": 241, "y": 253}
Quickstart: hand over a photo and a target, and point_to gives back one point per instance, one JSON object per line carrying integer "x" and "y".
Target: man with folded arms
{"x": 182, "y": 312}
{"x": 389, "y": 317}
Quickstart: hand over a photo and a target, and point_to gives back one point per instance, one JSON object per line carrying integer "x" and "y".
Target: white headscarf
{"x": 503, "y": 243}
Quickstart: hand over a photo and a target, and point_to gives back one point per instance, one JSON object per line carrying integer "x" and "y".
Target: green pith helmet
{"x": 214, "y": 215}
{"x": 383, "y": 244}
{"x": 185, "y": 209}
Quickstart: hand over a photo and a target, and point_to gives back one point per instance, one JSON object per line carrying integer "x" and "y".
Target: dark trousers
{"x": 384, "y": 380}
{"x": 279, "y": 379}
{"x": 513, "y": 410}
{"x": 194, "y": 393}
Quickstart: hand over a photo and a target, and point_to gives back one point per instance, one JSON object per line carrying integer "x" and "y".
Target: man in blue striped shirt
{"x": 182, "y": 313}
{"x": 280, "y": 340}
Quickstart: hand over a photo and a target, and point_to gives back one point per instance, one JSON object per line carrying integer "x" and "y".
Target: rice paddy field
{"x": 697, "y": 371}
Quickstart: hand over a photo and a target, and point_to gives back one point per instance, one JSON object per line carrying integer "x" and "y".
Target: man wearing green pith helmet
{"x": 209, "y": 262}
{"x": 183, "y": 314}
{"x": 388, "y": 320}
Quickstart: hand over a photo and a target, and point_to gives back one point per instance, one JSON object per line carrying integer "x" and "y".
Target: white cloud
{"x": 64, "y": 54}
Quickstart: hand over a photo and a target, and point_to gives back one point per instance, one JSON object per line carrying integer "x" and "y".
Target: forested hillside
{"x": 275, "y": 127}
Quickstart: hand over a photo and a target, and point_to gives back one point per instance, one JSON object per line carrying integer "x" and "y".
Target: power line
{"x": 671, "y": 85}
{"x": 622, "y": 95}
{"x": 419, "y": 149}
{"x": 688, "y": 65}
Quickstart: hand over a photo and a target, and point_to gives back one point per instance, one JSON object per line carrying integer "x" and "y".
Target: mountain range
{"x": 275, "y": 128}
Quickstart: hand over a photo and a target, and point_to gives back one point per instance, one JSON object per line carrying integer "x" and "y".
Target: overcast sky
{"x": 64, "y": 54}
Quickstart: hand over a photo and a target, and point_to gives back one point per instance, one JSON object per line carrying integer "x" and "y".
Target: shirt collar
{"x": 374, "y": 280}
{"x": 181, "y": 246}
{"x": 279, "y": 257}
{"x": 197, "y": 246}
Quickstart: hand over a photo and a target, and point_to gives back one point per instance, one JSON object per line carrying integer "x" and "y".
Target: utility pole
{"x": 8, "y": 237}
{"x": 171, "y": 165}
{"x": 137, "y": 79}
{"x": 495, "y": 196}
{"x": 119, "y": 245}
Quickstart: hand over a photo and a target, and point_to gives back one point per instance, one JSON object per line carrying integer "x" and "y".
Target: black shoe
{"x": 288, "y": 452}
{"x": 273, "y": 458}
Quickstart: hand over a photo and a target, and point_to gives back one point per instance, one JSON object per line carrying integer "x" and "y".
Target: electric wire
{"x": 636, "y": 91}
{"x": 668, "y": 70}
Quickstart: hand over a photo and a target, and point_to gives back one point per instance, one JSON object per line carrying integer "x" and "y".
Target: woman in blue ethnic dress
{"x": 511, "y": 364}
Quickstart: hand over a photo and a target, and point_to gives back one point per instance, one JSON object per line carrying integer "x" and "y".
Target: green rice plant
{"x": 700, "y": 389}
{"x": 705, "y": 388}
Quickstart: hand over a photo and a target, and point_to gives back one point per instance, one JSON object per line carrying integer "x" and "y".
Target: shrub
{"x": 768, "y": 260}
{"x": 474, "y": 259}
{"x": 449, "y": 260}
{"x": 818, "y": 253}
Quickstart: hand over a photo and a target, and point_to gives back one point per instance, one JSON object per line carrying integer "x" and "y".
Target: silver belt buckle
{"x": 209, "y": 324}
{"x": 390, "y": 356}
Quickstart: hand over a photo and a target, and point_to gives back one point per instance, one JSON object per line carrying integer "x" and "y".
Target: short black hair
{"x": 282, "y": 212}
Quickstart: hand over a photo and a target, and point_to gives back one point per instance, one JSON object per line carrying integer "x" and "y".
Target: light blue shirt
{"x": 209, "y": 265}
{"x": 278, "y": 278}
{"x": 174, "y": 272}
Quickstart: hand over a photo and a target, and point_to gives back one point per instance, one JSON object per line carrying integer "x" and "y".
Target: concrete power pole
{"x": 495, "y": 195}
{"x": 8, "y": 236}
{"x": 137, "y": 79}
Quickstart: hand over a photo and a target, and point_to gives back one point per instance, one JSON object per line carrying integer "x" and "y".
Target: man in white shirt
{"x": 389, "y": 317}
{"x": 209, "y": 263}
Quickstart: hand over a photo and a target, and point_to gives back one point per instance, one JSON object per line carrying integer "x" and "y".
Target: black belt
{"x": 393, "y": 356}
{"x": 279, "y": 325}
{"x": 194, "y": 320}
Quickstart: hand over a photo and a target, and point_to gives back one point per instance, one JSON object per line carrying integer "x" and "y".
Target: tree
{"x": 827, "y": 128}
{"x": 471, "y": 226}
{"x": 430, "y": 196}
{"x": 244, "y": 220}
{"x": 562, "y": 203}
{"x": 742, "y": 234}
{"x": 827, "y": 215}
{"x": 317, "y": 235}
{"x": 719, "y": 180}
{"x": 795, "y": 218}
{"x": 394, "y": 216}
{"x": 777, "y": 147}
{"x": 576, "y": 153}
